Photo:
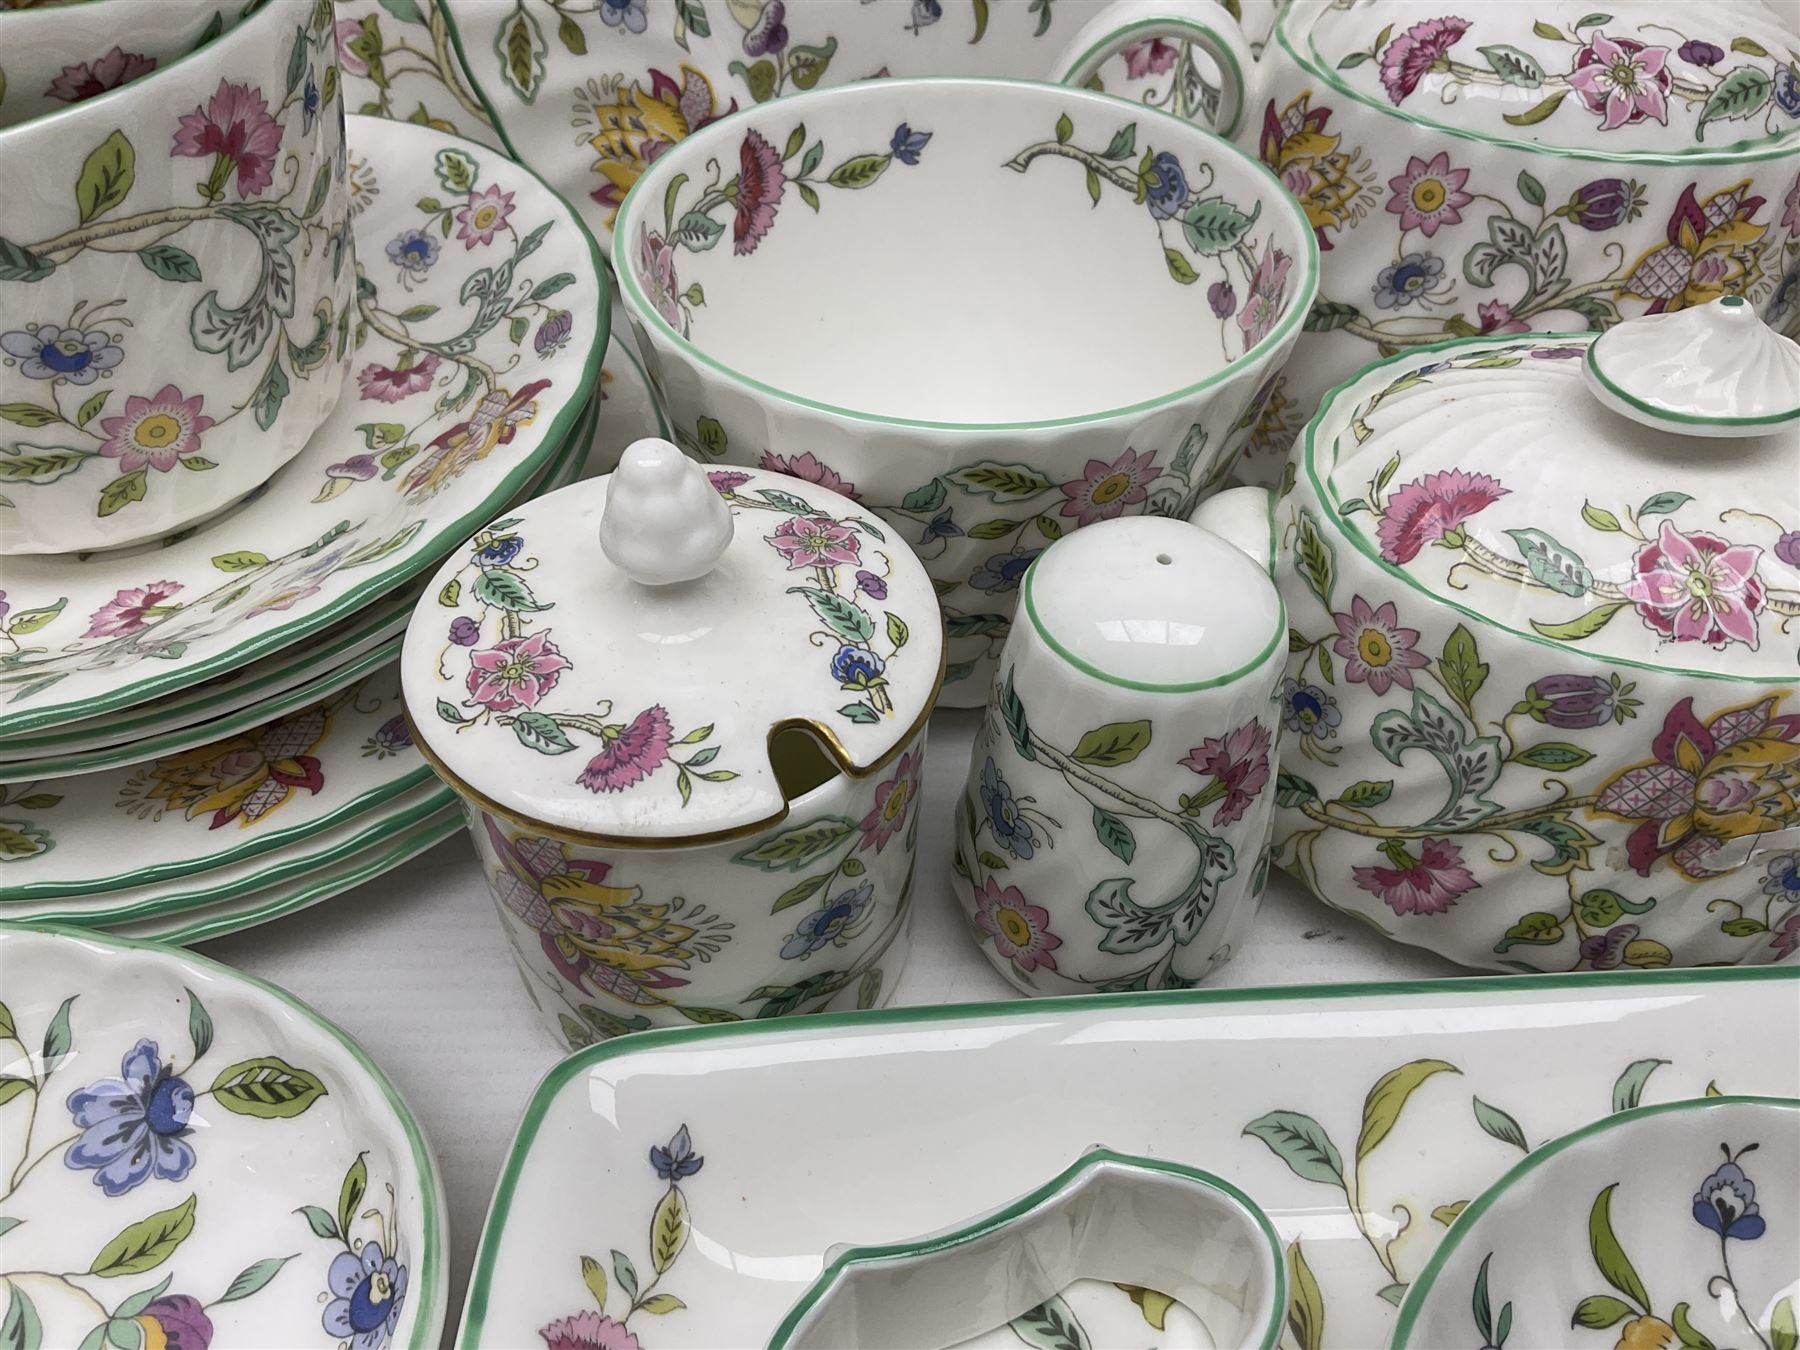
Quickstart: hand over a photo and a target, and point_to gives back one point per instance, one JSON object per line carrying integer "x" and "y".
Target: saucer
{"x": 201, "y": 1156}
{"x": 482, "y": 312}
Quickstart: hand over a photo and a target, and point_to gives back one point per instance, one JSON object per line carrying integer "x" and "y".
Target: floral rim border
{"x": 1314, "y": 65}
{"x": 1673, "y": 415}
{"x": 543, "y": 1097}
{"x": 1310, "y": 455}
{"x": 428, "y": 1329}
{"x": 1420, "y": 1289}
{"x": 1148, "y": 687}
{"x": 1167, "y": 25}
{"x": 421, "y": 559}
{"x": 1281, "y": 200}
{"x": 1049, "y": 1190}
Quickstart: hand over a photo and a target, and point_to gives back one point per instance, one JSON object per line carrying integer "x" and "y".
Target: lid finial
{"x": 662, "y": 522}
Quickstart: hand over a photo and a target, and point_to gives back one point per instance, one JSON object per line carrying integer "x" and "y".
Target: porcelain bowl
{"x": 990, "y": 311}
{"x": 58, "y": 55}
{"x": 176, "y": 282}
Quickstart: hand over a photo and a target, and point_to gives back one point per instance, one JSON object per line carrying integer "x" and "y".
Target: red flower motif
{"x": 1104, "y": 490}
{"x": 893, "y": 799}
{"x": 130, "y": 609}
{"x": 236, "y": 131}
{"x": 1409, "y": 57}
{"x": 1426, "y": 884}
{"x": 1376, "y": 650}
{"x": 386, "y": 385}
{"x": 809, "y": 468}
{"x": 1148, "y": 58}
{"x": 1020, "y": 929}
{"x": 1238, "y": 764}
{"x": 515, "y": 672}
{"x": 1623, "y": 80}
{"x": 1697, "y": 588}
{"x": 760, "y": 181}
{"x": 815, "y": 541}
{"x": 1426, "y": 509}
{"x": 81, "y": 81}
{"x": 632, "y": 752}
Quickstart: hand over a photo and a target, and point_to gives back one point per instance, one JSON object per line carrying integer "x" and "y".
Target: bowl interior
{"x": 963, "y": 251}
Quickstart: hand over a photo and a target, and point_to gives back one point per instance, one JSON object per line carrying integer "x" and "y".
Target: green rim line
{"x": 649, "y": 183}
{"x": 339, "y": 843}
{"x": 1739, "y": 152}
{"x": 1328, "y": 499}
{"x": 828, "y": 1278}
{"x": 1088, "y": 64}
{"x": 1420, "y": 1289}
{"x": 1663, "y": 414}
{"x": 645, "y": 1043}
{"x": 428, "y": 1326}
{"x": 420, "y": 555}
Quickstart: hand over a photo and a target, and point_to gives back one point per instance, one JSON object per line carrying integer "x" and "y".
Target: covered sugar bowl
{"x": 685, "y": 712}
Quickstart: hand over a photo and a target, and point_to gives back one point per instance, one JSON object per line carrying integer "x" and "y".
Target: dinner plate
{"x": 483, "y": 319}
{"x": 686, "y": 1187}
{"x": 192, "y": 1156}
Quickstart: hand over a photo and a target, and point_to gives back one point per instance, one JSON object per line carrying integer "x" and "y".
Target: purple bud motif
{"x": 1605, "y": 951}
{"x": 1222, "y": 298}
{"x": 1604, "y": 204}
{"x": 1572, "y": 702}
{"x": 769, "y": 34}
{"x": 871, "y": 585}
{"x": 1702, "y": 54}
{"x": 1787, "y": 548}
{"x": 463, "y": 631}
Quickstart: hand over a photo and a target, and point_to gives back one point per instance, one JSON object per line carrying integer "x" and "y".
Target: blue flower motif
{"x": 632, "y": 13}
{"x": 134, "y": 1126}
{"x": 309, "y": 104}
{"x": 1010, "y": 827}
{"x": 1413, "y": 278}
{"x": 413, "y": 251}
{"x": 925, "y": 13}
{"x": 1783, "y": 879}
{"x": 1165, "y": 186}
{"x": 368, "y": 1289}
{"x": 856, "y": 667}
{"x": 942, "y": 526}
{"x": 907, "y": 143}
{"x": 1787, "y": 89}
{"x": 48, "y": 351}
{"x": 499, "y": 551}
{"x": 828, "y": 925}
{"x": 1309, "y": 710}
{"x": 1003, "y": 571}
{"x": 1726, "y": 1203}
{"x": 678, "y": 1160}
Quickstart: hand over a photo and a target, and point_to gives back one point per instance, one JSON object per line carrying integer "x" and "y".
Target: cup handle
{"x": 1205, "y": 23}
{"x": 1242, "y": 516}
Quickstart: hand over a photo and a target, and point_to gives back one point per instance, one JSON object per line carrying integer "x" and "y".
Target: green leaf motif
{"x": 593, "y": 1275}
{"x": 1500, "y": 1125}
{"x": 625, "y": 1273}
{"x": 1300, "y": 1142}
{"x": 57, "y": 1038}
{"x": 1050, "y": 1326}
{"x": 799, "y": 845}
{"x": 106, "y": 177}
{"x": 1600, "y": 518}
{"x": 1213, "y": 225}
{"x": 857, "y": 712}
{"x": 807, "y": 65}
{"x": 1553, "y": 564}
{"x": 253, "y": 1278}
{"x": 843, "y": 617}
{"x": 21, "y": 1328}
{"x": 170, "y": 263}
{"x": 1327, "y": 316}
{"x": 350, "y": 1194}
{"x": 1113, "y": 744}
{"x": 1537, "y": 112}
{"x": 1317, "y": 562}
{"x": 1784, "y": 1329}
{"x": 122, "y": 491}
{"x": 1462, "y": 669}
{"x": 505, "y": 590}
{"x": 925, "y": 499}
{"x": 1382, "y": 1107}
{"x": 1012, "y": 711}
{"x": 1609, "y": 1256}
{"x": 146, "y": 1244}
{"x": 1123, "y": 144}
{"x": 1115, "y": 835}
{"x": 521, "y": 47}
{"x": 1179, "y": 267}
{"x": 1001, "y": 482}
{"x": 200, "y": 1024}
{"x": 1368, "y": 792}
{"x": 668, "y": 1230}
{"x": 18, "y": 263}
{"x": 1583, "y": 627}
{"x": 1628, "y": 1091}
{"x": 799, "y": 892}
{"x": 28, "y": 414}
{"x": 1537, "y": 928}
{"x": 1554, "y": 756}
{"x": 859, "y": 172}
{"x": 1663, "y": 503}
{"x": 697, "y": 232}
{"x": 1293, "y": 791}
{"x": 267, "y": 1088}
{"x": 319, "y": 1220}
{"x": 1306, "y": 1307}
{"x": 540, "y": 732}
{"x": 1601, "y": 1310}
{"x": 1516, "y": 68}
{"x": 1742, "y": 93}
{"x": 41, "y": 464}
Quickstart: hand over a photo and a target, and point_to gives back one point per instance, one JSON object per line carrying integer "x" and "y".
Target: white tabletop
{"x": 414, "y": 966}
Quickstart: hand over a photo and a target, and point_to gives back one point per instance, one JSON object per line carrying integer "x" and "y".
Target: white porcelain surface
{"x": 191, "y": 1154}
{"x": 177, "y": 286}
{"x": 1668, "y": 1222}
{"x": 477, "y": 417}
{"x": 1318, "y": 1103}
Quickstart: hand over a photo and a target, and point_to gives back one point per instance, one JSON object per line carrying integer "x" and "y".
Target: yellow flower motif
{"x": 1646, "y": 1333}
{"x": 1331, "y": 184}
{"x": 1714, "y": 249}
{"x": 628, "y": 125}
{"x": 243, "y": 778}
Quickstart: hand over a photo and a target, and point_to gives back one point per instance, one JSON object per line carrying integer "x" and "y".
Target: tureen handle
{"x": 663, "y": 522}
{"x": 1711, "y": 370}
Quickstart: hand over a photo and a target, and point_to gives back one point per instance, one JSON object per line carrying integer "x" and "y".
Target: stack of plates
{"x": 204, "y": 733}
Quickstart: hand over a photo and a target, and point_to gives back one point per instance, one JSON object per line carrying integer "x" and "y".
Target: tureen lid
{"x": 632, "y": 659}
{"x": 1488, "y": 474}
{"x": 1671, "y": 77}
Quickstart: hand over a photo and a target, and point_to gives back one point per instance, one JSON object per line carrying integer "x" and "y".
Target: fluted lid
{"x": 614, "y": 659}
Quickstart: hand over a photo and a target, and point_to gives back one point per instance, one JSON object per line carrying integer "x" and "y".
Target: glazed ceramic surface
{"x": 1541, "y": 690}
{"x": 978, "y": 474}
{"x": 1348, "y": 1114}
{"x": 1668, "y": 1223}
{"x": 191, "y": 1154}
{"x": 1497, "y": 168}
{"x": 178, "y": 284}
{"x": 1112, "y": 832}
{"x": 397, "y": 62}
{"x": 55, "y": 58}
{"x": 483, "y": 321}
{"x": 686, "y": 710}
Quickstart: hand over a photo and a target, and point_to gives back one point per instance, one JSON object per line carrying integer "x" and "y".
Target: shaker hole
{"x": 1164, "y": 559}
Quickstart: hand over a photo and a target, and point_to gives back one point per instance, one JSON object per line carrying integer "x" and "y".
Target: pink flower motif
{"x": 1418, "y": 50}
{"x": 1104, "y": 490}
{"x": 1428, "y": 508}
{"x": 726, "y": 482}
{"x": 346, "y": 32}
{"x": 1020, "y": 929}
{"x": 814, "y": 541}
{"x": 1784, "y": 940}
{"x": 386, "y": 385}
{"x": 1697, "y": 588}
{"x": 1268, "y": 290}
{"x": 130, "y": 610}
{"x": 1497, "y": 317}
{"x": 156, "y": 431}
{"x": 656, "y": 269}
{"x": 1790, "y": 208}
{"x": 482, "y": 215}
{"x": 632, "y": 752}
{"x": 1428, "y": 194}
{"x": 236, "y": 131}
{"x": 1623, "y": 80}
{"x": 1375, "y": 649}
{"x": 1238, "y": 764}
{"x": 83, "y": 81}
{"x": 760, "y": 181}
{"x": 1149, "y": 58}
{"x": 515, "y": 672}
{"x": 588, "y": 1331}
{"x": 1426, "y": 884}
{"x": 893, "y": 801}
{"x": 809, "y": 468}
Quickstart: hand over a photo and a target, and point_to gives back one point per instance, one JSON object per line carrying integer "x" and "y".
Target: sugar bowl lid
{"x": 618, "y": 661}
{"x": 1635, "y": 497}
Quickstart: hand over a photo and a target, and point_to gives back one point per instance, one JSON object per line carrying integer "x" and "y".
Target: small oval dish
{"x": 188, "y": 1154}
{"x": 1665, "y": 1225}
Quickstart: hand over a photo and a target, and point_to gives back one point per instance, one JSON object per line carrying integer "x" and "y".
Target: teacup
{"x": 1114, "y": 831}
{"x": 176, "y": 288}
{"x": 55, "y": 56}
{"x": 992, "y": 312}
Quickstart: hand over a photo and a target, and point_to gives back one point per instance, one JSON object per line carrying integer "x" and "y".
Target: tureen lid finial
{"x": 1710, "y": 370}
{"x": 663, "y": 522}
